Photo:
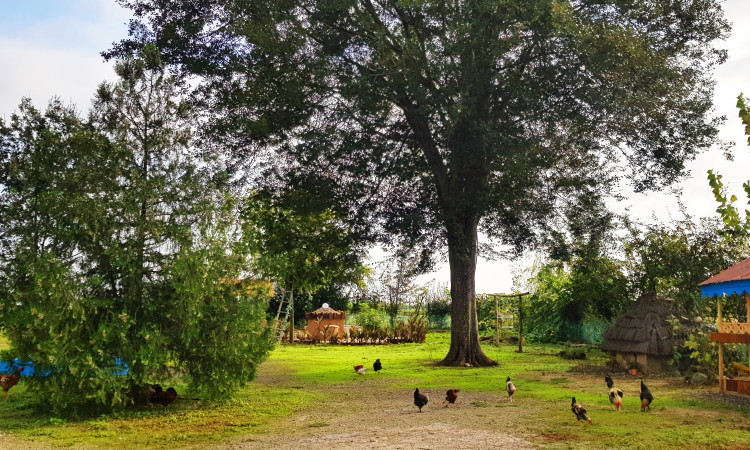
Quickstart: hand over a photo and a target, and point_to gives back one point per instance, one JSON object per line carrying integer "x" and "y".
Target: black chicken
{"x": 420, "y": 400}
{"x": 646, "y": 398}
{"x": 377, "y": 366}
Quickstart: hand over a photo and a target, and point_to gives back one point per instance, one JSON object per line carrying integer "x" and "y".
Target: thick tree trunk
{"x": 462, "y": 256}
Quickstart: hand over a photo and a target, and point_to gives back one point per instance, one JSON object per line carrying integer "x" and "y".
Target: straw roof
{"x": 325, "y": 313}
{"x": 642, "y": 329}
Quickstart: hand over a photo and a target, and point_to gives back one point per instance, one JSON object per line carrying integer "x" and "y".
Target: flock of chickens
{"x": 156, "y": 394}
{"x": 615, "y": 397}
{"x": 615, "y": 394}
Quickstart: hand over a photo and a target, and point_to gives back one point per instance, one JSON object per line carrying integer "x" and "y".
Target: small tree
{"x": 121, "y": 248}
{"x": 302, "y": 249}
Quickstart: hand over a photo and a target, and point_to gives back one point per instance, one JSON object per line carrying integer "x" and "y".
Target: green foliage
{"x": 578, "y": 302}
{"x": 303, "y": 249}
{"x": 672, "y": 259}
{"x": 119, "y": 247}
{"x": 734, "y": 224}
{"x": 369, "y": 318}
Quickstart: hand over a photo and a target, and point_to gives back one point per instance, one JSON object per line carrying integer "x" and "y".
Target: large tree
{"x": 440, "y": 119}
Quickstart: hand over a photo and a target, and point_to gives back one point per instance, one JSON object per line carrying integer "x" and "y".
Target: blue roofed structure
{"x": 734, "y": 280}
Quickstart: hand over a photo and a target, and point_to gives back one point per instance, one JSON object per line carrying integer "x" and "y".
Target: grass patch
{"x": 302, "y": 388}
{"x": 186, "y": 422}
{"x": 4, "y": 343}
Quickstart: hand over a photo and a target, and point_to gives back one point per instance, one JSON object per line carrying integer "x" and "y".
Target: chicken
{"x": 646, "y": 398}
{"x": 163, "y": 397}
{"x": 420, "y": 400}
{"x": 615, "y": 395}
{"x": 356, "y": 368}
{"x": 510, "y": 387}
{"x": 360, "y": 370}
{"x": 377, "y": 366}
{"x": 8, "y": 381}
{"x": 579, "y": 411}
{"x": 451, "y": 396}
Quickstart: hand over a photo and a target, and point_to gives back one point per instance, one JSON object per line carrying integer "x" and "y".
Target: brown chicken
{"x": 8, "y": 381}
{"x": 164, "y": 398}
{"x": 451, "y": 396}
{"x": 579, "y": 411}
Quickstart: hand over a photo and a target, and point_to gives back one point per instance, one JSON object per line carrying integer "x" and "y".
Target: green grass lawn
{"x": 299, "y": 380}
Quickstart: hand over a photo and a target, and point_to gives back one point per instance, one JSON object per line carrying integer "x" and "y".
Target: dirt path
{"x": 376, "y": 416}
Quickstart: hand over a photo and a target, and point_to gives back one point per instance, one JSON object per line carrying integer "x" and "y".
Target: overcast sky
{"x": 51, "y": 48}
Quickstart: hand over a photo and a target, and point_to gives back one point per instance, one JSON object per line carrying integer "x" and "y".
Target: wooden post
{"x": 520, "y": 323}
{"x": 520, "y": 316}
{"x": 497, "y": 322}
{"x": 291, "y": 316}
{"x": 718, "y": 311}
{"x": 721, "y": 367}
{"x": 721, "y": 346}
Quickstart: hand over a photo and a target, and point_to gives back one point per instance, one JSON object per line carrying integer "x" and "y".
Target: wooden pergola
{"x": 734, "y": 280}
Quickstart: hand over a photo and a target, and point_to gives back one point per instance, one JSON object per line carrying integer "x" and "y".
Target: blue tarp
{"x": 28, "y": 368}
{"x": 728, "y": 288}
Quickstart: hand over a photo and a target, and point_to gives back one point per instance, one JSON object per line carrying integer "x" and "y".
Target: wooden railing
{"x": 734, "y": 327}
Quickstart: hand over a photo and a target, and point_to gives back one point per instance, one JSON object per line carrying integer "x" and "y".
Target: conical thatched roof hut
{"x": 642, "y": 337}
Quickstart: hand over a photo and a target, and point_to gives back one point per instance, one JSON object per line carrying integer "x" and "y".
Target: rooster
{"x": 8, "y": 381}
{"x": 377, "y": 366}
{"x": 646, "y": 398}
{"x": 360, "y": 369}
{"x": 163, "y": 397}
{"x": 420, "y": 400}
{"x": 510, "y": 387}
{"x": 451, "y": 396}
{"x": 579, "y": 411}
{"x": 615, "y": 395}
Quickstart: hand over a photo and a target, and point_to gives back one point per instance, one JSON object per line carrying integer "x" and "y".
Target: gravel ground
{"x": 384, "y": 418}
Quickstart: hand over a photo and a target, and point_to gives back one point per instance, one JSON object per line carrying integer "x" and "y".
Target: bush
{"x": 203, "y": 331}
{"x": 573, "y": 353}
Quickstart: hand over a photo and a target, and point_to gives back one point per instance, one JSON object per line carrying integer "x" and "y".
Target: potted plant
{"x": 634, "y": 367}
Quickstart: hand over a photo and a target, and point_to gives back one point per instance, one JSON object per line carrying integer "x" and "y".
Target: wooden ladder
{"x": 282, "y": 317}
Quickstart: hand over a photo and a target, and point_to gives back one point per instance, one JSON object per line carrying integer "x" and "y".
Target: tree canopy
{"x": 437, "y": 119}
